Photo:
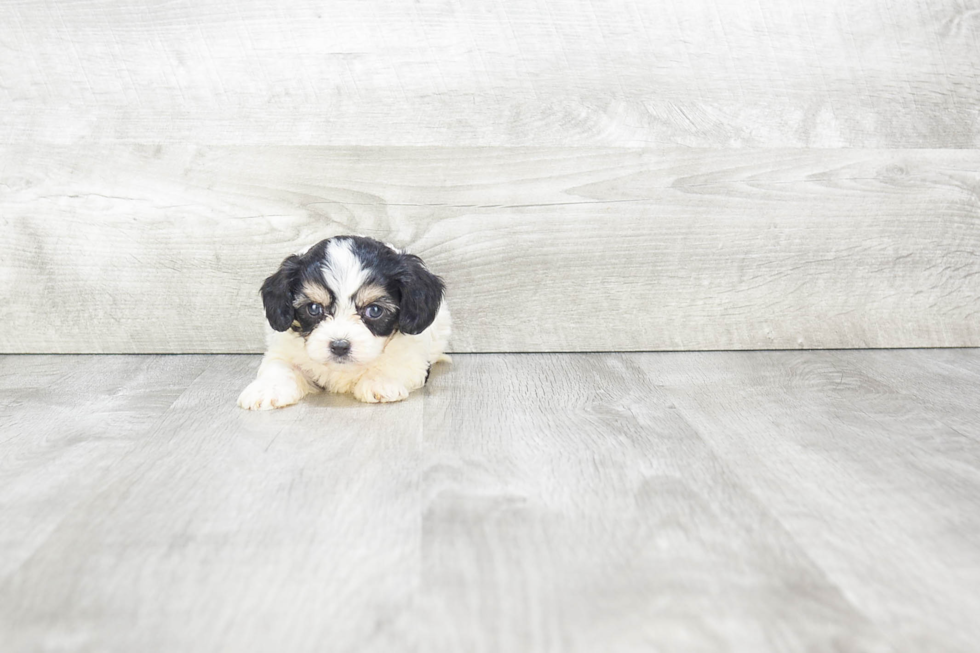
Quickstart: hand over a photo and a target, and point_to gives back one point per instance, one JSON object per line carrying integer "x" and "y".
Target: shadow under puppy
{"x": 349, "y": 314}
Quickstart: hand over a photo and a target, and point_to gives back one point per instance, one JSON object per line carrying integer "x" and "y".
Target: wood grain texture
{"x": 757, "y": 501}
{"x": 876, "y": 74}
{"x": 68, "y": 445}
{"x": 948, "y": 382}
{"x": 877, "y": 488}
{"x": 572, "y": 508}
{"x": 129, "y": 249}
{"x": 221, "y": 531}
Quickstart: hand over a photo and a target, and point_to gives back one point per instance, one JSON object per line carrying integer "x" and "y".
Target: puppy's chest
{"x": 333, "y": 378}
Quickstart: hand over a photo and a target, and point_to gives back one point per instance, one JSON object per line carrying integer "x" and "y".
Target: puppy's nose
{"x": 340, "y": 347}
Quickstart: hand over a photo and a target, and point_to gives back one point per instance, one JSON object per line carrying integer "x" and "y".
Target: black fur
{"x": 417, "y": 291}
{"x": 383, "y": 326}
{"x": 277, "y": 294}
{"x": 307, "y": 322}
{"x": 421, "y": 295}
{"x": 280, "y": 289}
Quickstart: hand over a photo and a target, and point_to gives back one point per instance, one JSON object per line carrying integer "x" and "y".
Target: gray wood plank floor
{"x": 738, "y": 501}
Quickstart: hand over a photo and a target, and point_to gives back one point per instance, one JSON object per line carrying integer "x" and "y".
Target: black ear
{"x": 277, "y": 294}
{"x": 421, "y": 295}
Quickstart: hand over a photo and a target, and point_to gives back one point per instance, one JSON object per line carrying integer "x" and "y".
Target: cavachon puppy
{"x": 349, "y": 314}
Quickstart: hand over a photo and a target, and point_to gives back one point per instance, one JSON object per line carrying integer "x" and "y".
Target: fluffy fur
{"x": 349, "y": 314}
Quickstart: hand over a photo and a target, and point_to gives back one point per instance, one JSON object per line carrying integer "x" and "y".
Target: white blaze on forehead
{"x": 342, "y": 271}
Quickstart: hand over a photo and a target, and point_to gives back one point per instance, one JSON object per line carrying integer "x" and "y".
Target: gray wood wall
{"x": 686, "y": 174}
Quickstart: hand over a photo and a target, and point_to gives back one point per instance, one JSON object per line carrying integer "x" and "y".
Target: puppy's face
{"x": 347, "y": 296}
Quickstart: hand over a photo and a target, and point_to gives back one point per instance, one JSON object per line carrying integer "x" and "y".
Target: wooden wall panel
{"x": 618, "y": 175}
{"x": 125, "y": 248}
{"x": 704, "y": 73}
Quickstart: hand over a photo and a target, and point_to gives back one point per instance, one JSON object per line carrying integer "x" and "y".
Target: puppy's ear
{"x": 277, "y": 294}
{"x": 421, "y": 295}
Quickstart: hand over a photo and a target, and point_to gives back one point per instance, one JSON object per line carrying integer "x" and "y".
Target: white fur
{"x": 288, "y": 372}
{"x": 378, "y": 369}
{"x": 342, "y": 270}
{"x": 344, "y": 275}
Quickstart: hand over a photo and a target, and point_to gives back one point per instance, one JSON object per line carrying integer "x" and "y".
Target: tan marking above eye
{"x": 370, "y": 294}
{"x": 317, "y": 294}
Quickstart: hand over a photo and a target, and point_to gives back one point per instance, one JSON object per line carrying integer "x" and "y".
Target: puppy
{"x": 349, "y": 314}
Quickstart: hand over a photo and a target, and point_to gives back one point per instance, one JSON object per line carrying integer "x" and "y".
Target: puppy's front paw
{"x": 379, "y": 390}
{"x": 266, "y": 394}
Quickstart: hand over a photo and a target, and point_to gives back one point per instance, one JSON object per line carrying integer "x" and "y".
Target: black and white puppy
{"x": 349, "y": 314}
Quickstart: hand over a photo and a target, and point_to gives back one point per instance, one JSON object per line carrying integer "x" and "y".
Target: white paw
{"x": 379, "y": 390}
{"x": 266, "y": 394}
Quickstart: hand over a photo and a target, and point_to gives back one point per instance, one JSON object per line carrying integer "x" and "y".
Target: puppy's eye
{"x": 314, "y": 310}
{"x": 373, "y": 312}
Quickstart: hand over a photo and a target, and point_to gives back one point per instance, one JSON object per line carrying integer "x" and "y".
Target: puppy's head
{"x": 347, "y": 296}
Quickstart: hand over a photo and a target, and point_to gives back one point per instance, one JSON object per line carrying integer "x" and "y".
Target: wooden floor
{"x": 753, "y": 501}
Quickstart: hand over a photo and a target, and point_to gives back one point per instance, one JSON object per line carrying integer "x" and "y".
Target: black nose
{"x": 340, "y": 347}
